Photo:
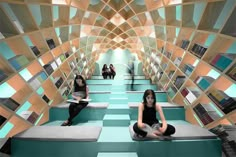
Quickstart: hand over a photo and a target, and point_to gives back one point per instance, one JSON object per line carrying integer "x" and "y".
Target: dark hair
{"x": 104, "y": 67}
{"x": 76, "y": 86}
{"x": 111, "y": 67}
{"x": 149, "y": 92}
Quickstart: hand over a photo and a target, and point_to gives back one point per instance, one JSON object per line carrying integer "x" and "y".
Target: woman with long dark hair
{"x": 80, "y": 92}
{"x": 105, "y": 71}
{"x": 112, "y": 73}
{"x": 147, "y": 118}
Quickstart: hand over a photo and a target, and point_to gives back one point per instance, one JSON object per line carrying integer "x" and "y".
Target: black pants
{"x": 169, "y": 130}
{"x": 132, "y": 81}
{"x": 74, "y": 109}
{"x": 105, "y": 75}
{"x": 112, "y": 75}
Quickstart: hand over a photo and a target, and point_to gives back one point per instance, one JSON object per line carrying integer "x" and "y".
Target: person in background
{"x": 131, "y": 72}
{"x": 147, "y": 118}
{"x": 105, "y": 71}
{"x": 81, "y": 91}
{"x": 112, "y": 73}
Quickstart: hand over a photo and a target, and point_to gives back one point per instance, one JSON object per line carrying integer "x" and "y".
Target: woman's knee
{"x": 135, "y": 126}
{"x": 170, "y": 130}
{"x": 138, "y": 131}
{"x": 82, "y": 105}
{"x": 72, "y": 105}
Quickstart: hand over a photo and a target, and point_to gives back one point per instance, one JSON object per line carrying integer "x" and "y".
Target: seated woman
{"x": 112, "y": 73}
{"x": 80, "y": 92}
{"x": 147, "y": 118}
{"x": 105, "y": 71}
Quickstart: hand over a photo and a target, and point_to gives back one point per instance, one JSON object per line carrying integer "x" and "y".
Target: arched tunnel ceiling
{"x": 124, "y": 24}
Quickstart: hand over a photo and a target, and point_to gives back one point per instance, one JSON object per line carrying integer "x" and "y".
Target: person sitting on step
{"x": 147, "y": 118}
{"x": 112, "y": 73}
{"x": 105, "y": 71}
{"x": 81, "y": 91}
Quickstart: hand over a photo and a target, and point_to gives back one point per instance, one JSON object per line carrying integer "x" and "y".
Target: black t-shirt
{"x": 80, "y": 91}
{"x": 149, "y": 115}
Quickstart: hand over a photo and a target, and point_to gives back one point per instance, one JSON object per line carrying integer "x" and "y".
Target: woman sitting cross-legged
{"x": 80, "y": 92}
{"x": 112, "y": 72}
{"x": 147, "y": 118}
{"x": 105, "y": 71}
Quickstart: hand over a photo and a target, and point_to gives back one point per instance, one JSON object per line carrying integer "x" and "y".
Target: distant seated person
{"x": 112, "y": 73}
{"x": 148, "y": 125}
{"x": 80, "y": 92}
{"x": 105, "y": 71}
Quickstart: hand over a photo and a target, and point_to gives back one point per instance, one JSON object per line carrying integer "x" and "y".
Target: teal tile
{"x": 118, "y": 106}
{"x": 116, "y": 120}
{"x": 116, "y": 117}
{"x": 115, "y": 134}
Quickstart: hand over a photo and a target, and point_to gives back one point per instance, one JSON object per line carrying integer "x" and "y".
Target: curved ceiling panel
{"x": 118, "y": 23}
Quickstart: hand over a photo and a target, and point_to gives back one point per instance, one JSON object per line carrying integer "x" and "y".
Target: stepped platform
{"x": 129, "y": 96}
{"x": 136, "y": 77}
{"x": 94, "y": 111}
{"x": 124, "y": 87}
{"x": 113, "y": 110}
{"x": 118, "y": 109}
{"x": 118, "y": 88}
{"x": 141, "y": 87}
{"x": 118, "y": 100}
{"x": 99, "y": 96}
{"x": 118, "y": 94}
{"x": 121, "y": 82}
{"x": 100, "y": 87}
{"x": 171, "y": 111}
{"x": 123, "y": 77}
{"x": 97, "y": 111}
{"x": 117, "y": 140}
{"x": 137, "y": 96}
{"x": 116, "y": 120}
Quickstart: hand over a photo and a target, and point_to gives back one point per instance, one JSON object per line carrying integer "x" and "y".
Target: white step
{"x": 116, "y": 120}
{"x": 117, "y": 154}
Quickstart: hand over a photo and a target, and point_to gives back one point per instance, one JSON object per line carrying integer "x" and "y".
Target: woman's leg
{"x": 139, "y": 131}
{"x": 75, "y": 109}
{"x": 170, "y": 130}
{"x": 146, "y": 132}
{"x": 105, "y": 76}
{"x": 72, "y": 109}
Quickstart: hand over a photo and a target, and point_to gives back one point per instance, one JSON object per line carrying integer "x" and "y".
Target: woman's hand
{"x": 141, "y": 125}
{"x": 157, "y": 132}
{"x": 163, "y": 128}
{"x": 78, "y": 98}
